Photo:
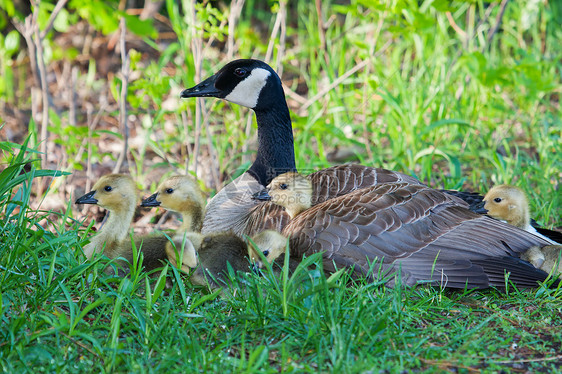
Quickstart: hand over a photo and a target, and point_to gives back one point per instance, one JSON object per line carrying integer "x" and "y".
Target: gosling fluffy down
{"x": 118, "y": 194}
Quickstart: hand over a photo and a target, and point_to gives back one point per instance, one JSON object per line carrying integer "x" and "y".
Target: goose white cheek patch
{"x": 247, "y": 92}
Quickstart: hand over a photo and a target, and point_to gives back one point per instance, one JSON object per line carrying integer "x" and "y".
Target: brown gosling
{"x": 181, "y": 194}
{"x": 208, "y": 256}
{"x": 552, "y": 255}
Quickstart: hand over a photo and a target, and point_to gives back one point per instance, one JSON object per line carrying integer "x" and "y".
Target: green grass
{"x": 456, "y": 111}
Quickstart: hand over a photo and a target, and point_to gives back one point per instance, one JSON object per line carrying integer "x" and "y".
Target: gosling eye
{"x": 283, "y": 186}
{"x": 498, "y": 199}
{"x": 240, "y": 72}
{"x": 266, "y": 252}
{"x": 107, "y": 188}
{"x": 169, "y": 190}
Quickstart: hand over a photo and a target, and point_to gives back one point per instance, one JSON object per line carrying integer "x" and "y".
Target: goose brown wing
{"x": 343, "y": 179}
{"x": 266, "y": 216}
{"x": 327, "y": 183}
{"x": 406, "y": 227}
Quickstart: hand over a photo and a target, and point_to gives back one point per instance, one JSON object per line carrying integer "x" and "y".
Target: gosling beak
{"x": 262, "y": 195}
{"x": 204, "y": 89}
{"x": 151, "y": 201}
{"x": 479, "y": 208}
{"x": 256, "y": 269}
{"x": 87, "y": 198}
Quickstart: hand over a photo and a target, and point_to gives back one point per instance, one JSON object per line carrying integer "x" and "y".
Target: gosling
{"x": 117, "y": 193}
{"x": 510, "y": 204}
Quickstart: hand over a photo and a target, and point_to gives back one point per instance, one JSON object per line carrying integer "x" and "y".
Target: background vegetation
{"x": 461, "y": 94}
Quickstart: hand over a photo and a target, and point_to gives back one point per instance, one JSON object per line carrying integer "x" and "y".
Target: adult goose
{"x": 118, "y": 194}
{"x": 433, "y": 233}
{"x": 362, "y": 229}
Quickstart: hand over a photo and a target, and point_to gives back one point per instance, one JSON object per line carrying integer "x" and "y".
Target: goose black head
{"x": 250, "y": 83}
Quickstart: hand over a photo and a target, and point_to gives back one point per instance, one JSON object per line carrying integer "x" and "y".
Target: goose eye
{"x": 266, "y": 253}
{"x": 283, "y": 186}
{"x": 498, "y": 199}
{"x": 108, "y": 188}
{"x": 241, "y": 72}
{"x": 169, "y": 190}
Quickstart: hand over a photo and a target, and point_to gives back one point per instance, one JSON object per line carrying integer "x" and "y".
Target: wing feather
{"x": 424, "y": 233}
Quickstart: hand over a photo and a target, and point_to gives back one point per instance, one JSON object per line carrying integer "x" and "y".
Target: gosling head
{"x": 178, "y": 193}
{"x": 508, "y": 203}
{"x": 291, "y": 190}
{"x": 250, "y": 83}
{"x": 114, "y": 192}
{"x": 271, "y": 243}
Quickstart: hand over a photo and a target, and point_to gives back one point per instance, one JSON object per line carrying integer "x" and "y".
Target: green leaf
{"x": 62, "y": 22}
{"x": 444, "y": 123}
{"x": 140, "y": 27}
{"x": 12, "y": 43}
{"x": 206, "y": 298}
{"x": 160, "y": 284}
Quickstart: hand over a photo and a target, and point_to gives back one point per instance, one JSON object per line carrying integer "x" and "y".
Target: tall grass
{"x": 435, "y": 90}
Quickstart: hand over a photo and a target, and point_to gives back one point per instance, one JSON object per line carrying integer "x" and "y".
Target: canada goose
{"x": 510, "y": 204}
{"x": 207, "y": 254}
{"x": 365, "y": 226}
{"x": 180, "y": 193}
{"x": 291, "y": 191}
{"x": 552, "y": 254}
{"x": 359, "y": 213}
{"x": 117, "y": 193}
{"x": 273, "y": 246}
{"x": 215, "y": 253}
{"x": 209, "y": 257}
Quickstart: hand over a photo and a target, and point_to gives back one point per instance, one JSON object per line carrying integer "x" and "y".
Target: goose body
{"x": 360, "y": 214}
{"x": 409, "y": 229}
{"x": 117, "y": 194}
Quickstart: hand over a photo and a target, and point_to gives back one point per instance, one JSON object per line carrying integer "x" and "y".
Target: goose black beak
{"x": 151, "y": 201}
{"x": 204, "y": 89}
{"x": 479, "y": 208}
{"x": 262, "y": 195}
{"x": 87, "y": 198}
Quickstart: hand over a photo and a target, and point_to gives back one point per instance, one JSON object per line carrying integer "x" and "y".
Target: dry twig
{"x": 279, "y": 27}
{"x": 125, "y": 58}
{"x": 339, "y": 80}
{"x": 235, "y": 11}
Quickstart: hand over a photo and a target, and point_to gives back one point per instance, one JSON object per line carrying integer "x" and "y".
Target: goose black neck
{"x": 276, "y": 153}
